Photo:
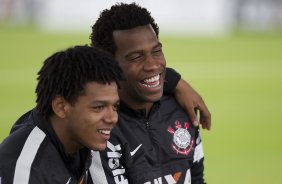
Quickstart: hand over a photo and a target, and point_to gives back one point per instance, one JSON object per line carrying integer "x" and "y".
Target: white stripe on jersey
{"x": 199, "y": 153}
{"x": 96, "y": 169}
{"x": 28, "y": 153}
{"x": 188, "y": 177}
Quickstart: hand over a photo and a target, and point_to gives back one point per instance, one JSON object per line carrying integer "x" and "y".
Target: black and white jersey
{"x": 163, "y": 149}
{"x": 32, "y": 154}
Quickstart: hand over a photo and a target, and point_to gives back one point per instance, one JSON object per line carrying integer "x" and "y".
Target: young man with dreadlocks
{"x": 77, "y": 99}
{"x": 154, "y": 141}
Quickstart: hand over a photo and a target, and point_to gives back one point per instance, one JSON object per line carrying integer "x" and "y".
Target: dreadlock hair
{"x": 66, "y": 73}
{"x": 120, "y": 17}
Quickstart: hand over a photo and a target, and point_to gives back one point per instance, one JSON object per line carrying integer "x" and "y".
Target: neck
{"x": 136, "y": 104}
{"x": 62, "y": 133}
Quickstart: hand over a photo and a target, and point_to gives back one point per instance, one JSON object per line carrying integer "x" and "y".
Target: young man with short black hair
{"x": 76, "y": 109}
{"x": 154, "y": 141}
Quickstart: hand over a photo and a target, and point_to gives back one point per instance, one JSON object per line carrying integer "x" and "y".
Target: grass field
{"x": 239, "y": 77}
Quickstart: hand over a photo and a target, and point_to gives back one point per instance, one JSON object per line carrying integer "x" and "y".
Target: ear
{"x": 60, "y": 106}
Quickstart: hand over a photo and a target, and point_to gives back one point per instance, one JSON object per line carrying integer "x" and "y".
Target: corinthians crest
{"x": 182, "y": 140}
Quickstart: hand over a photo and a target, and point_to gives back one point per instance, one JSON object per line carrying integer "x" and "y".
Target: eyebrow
{"x": 159, "y": 44}
{"x": 104, "y": 102}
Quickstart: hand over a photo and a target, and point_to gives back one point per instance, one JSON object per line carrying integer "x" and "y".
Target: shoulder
{"x": 169, "y": 100}
{"x": 170, "y": 108}
{"x": 22, "y": 121}
{"x": 13, "y": 144}
{"x": 20, "y": 145}
{"x": 18, "y": 151}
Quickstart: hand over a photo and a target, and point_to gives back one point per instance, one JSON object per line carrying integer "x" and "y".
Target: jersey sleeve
{"x": 197, "y": 170}
{"x": 171, "y": 80}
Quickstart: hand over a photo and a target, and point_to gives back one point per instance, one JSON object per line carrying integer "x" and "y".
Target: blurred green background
{"x": 239, "y": 76}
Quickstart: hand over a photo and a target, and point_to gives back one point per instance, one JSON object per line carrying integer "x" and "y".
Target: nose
{"x": 111, "y": 116}
{"x": 151, "y": 63}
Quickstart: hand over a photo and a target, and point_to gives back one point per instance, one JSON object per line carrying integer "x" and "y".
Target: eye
{"x": 116, "y": 107}
{"x": 157, "y": 51}
{"x": 134, "y": 56}
{"x": 98, "y": 108}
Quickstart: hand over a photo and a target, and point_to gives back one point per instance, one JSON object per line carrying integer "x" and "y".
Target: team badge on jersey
{"x": 182, "y": 140}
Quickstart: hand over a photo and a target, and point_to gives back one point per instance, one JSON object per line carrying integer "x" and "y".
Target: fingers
{"x": 193, "y": 116}
{"x": 205, "y": 117}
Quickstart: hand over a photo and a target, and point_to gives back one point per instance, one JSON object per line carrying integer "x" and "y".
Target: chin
{"x": 156, "y": 97}
{"x": 100, "y": 147}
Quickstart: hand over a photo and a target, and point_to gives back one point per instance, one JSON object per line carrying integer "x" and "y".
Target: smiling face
{"x": 89, "y": 121}
{"x": 140, "y": 56}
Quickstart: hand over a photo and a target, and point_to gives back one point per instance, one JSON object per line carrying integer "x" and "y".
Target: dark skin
{"x": 140, "y": 55}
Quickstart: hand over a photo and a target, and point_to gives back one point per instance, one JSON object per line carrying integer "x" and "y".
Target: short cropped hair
{"x": 120, "y": 17}
{"x": 66, "y": 73}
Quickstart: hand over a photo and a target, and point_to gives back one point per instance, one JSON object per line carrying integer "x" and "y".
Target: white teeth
{"x": 106, "y": 132}
{"x": 152, "y": 82}
{"x": 152, "y": 86}
{"x": 152, "y": 79}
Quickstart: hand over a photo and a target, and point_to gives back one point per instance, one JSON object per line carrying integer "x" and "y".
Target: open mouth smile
{"x": 104, "y": 132}
{"x": 151, "y": 82}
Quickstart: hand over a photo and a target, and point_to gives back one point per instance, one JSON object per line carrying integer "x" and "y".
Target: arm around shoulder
{"x": 187, "y": 98}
